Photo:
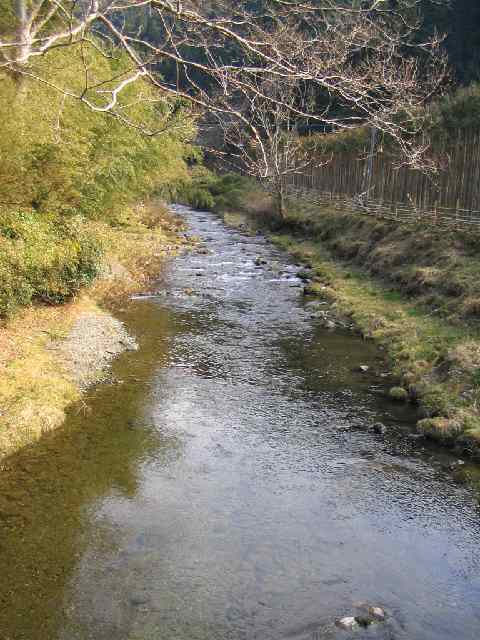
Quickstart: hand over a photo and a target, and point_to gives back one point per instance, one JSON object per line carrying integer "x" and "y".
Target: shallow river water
{"x": 226, "y": 485}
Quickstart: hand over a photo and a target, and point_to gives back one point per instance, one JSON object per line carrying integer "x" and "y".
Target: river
{"x": 226, "y": 485}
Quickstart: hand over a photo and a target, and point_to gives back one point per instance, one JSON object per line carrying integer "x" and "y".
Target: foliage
{"x": 41, "y": 260}
{"x": 206, "y": 190}
{"x": 457, "y": 112}
{"x": 459, "y": 20}
{"x": 62, "y": 164}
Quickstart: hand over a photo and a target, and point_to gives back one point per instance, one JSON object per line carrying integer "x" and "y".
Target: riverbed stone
{"x": 379, "y": 428}
{"x": 377, "y": 612}
{"x": 139, "y": 599}
{"x": 348, "y": 623}
{"x": 364, "y": 621}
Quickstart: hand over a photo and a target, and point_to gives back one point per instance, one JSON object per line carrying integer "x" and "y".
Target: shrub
{"x": 398, "y": 393}
{"x": 205, "y": 190}
{"x": 44, "y": 259}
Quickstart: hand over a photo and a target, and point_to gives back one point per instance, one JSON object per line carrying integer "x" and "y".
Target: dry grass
{"x": 135, "y": 253}
{"x": 258, "y": 203}
{"x": 34, "y": 389}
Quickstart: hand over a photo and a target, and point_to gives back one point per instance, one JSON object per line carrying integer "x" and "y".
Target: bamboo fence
{"x": 374, "y": 185}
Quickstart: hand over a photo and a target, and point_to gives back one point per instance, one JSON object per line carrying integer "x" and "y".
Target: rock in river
{"x": 348, "y": 623}
{"x": 377, "y": 612}
{"x": 380, "y": 428}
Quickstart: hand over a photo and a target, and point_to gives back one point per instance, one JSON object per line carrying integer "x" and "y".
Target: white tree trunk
{"x": 23, "y": 31}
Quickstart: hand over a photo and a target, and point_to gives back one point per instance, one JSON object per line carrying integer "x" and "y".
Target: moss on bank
{"x": 36, "y": 384}
{"x": 375, "y": 273}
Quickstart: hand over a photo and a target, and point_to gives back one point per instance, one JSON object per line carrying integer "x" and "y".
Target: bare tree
{"x": 361, "y": 56}
{"x": 280, "y": 152}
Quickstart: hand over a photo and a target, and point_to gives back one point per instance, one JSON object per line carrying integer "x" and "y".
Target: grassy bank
{"x": 412, "y": 289}
{"x": 36, "y": 381}
{"x": 72, "y": 239}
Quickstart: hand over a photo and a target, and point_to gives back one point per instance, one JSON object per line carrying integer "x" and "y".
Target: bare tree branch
{"x": 359, "y": 58}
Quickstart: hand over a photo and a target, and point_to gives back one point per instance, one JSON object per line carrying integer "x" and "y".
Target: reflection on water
{"x": 227, "y": 486}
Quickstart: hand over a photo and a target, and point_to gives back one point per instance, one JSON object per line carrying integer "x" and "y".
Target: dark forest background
{"x": 461, "y": 23}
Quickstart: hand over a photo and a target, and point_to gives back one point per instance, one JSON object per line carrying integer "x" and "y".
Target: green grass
{"x": 419, "y": 345}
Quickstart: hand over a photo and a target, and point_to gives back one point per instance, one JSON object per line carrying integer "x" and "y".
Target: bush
{"x": 205, "y": 190}
{"x": 44, "y": 259}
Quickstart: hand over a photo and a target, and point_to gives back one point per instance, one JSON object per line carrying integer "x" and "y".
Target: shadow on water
{"x": 228, "y": 486}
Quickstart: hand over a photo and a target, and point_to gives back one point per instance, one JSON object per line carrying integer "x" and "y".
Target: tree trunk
{"x": 23, "y": 34}
{"x": 281, "y": 199}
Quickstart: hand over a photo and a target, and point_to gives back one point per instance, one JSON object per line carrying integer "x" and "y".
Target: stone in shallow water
{"x": 377, "y": 612}
{"x": 379, "y": 427}
{"x": 363, "y": 621}
{"x": 348, "y": 623}
{"x": 139, "y": 599}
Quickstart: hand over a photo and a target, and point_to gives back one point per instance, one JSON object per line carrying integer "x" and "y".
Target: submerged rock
{"x": 139, "y": 599}
{"x": 363, "y": 621}
{"x": 365, "y": 453}
{"x": 379, "y": 428}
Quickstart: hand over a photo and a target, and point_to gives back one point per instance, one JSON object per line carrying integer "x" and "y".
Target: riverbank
{"x": 422, "y": 314}
{"x": 49, "y": 355}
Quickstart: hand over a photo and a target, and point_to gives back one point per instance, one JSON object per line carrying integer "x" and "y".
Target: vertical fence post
{"x": 369, "y": 168}
{"x": 402, "y": 194}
